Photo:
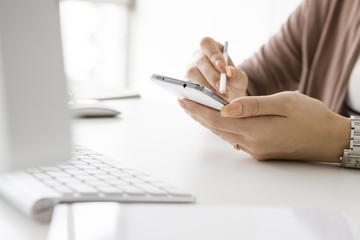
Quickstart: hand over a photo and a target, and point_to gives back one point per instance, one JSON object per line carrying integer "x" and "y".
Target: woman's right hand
{"x": 207, "y": 66}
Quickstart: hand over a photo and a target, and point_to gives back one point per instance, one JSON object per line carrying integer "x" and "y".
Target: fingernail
{"x": 232, "y": 110}
{"x": 217, "y": 85}
{"x": 230, "y": 72}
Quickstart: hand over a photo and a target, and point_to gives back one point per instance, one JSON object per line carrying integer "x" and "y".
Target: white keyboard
{"x": 87, "y": 176}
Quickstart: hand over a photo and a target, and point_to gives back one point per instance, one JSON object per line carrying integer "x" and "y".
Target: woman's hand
{"x": 286, "y": 125}
{"x": 207, "y": 66}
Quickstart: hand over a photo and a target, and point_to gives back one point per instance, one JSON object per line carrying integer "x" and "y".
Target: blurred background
{"x": 115, "y": 45}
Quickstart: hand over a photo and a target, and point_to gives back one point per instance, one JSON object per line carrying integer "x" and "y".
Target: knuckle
{"x": 201, "y": 60}
{"x": 287, "y": 95}
{"x": 288, "y": 99}
{"x": 242, "y": 106}
{"x": 253, "y": 107}
{"x": 216, "y": 56}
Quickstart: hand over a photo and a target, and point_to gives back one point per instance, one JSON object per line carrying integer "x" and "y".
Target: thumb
{"x": 255, "y": 106}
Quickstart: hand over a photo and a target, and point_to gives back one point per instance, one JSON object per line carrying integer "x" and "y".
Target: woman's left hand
{"x": 286, "y": 125}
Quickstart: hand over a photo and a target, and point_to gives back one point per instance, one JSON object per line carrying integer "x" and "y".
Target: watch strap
{"x": 351, "y": 157}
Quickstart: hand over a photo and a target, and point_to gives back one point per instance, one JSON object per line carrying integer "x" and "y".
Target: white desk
{"x": 162, "y": 140}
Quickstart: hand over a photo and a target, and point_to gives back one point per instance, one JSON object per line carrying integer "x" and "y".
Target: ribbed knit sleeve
{"x": 277, "y": 65}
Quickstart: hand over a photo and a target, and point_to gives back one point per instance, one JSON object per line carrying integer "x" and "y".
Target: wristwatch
{"x": 351, "y": 157}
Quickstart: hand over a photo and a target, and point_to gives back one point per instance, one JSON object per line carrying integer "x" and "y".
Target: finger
{"x": 231, "y": 72}
{"x": 194, "y": 75}
{"x": 274, "y": 105}
{"x": 207, "y": 69}
{"x": 235, "y": 72}
{"x": 227, "y": 136}
{"x": 237, "y": 80}
{"x": 213, "y": 51}
{"x": 231, "y": 138}
{"x": 213, "y": 117}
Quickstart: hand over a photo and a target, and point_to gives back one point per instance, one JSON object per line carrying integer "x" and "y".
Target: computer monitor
{"x": 34, "y": 117}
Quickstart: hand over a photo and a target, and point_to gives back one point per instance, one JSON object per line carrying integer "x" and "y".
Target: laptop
{"x": 39, "y": 165}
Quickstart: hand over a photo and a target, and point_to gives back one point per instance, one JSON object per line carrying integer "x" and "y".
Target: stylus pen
{"x": 223, "y": 75}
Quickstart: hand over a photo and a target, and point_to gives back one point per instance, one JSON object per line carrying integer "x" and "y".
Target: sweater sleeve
{"x": 277, "y": 65}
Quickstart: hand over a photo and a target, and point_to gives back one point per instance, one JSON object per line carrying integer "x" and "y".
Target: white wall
{"x": 165, "y": 33}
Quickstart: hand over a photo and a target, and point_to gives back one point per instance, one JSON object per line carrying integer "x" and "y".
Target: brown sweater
{"x": 314, "y": 52}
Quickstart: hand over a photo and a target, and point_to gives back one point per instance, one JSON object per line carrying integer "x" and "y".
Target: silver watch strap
{"x": 351, "y": 157}
{"x": 355, "y": 135}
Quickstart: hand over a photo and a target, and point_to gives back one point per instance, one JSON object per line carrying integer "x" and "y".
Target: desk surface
{"x": 160, "y": 139}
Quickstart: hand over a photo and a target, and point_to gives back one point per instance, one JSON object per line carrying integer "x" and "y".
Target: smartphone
{"x": 192, "y": 91}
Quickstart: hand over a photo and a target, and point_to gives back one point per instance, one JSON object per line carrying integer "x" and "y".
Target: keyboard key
{"x": 86, "y": 177}
{"x": 115, "y": 172}
{"x": 133, "y": 172}
{"x": 120, "y": 174}
{"x": 176, "y": 192}
{"x": 83, "y": 189}
{"x": 93, "y": 161}
{"x": 59, "y": 174}
{"x": 67, "y": 166}
{"x": 131, "y": 190}
{"x": 76, "y": 172}
{"x": 90, "y": 152}
{"x": 98, "y": 183}
{"x": 152, "y": 190}
{"x": 52, "y": 182}
{"x": 69, "y": 180}
{"x": 162, "y": 184}
{"x": 111, "y": 190}
{"x": 50, "y": 168}
{"x": 101, "y": 165}
{"x": 106, "y": 177}
{"x": 132, "y": 180}
{"x": 84, "y": 158}
{"x": 96, "y": 172}
{"x": 148, "y": 179}
{"x": 63, "y": 190}
{"x": 86, "y": 167}
{"x": 118, "y": 182}
{"x": 78, "y": 162}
